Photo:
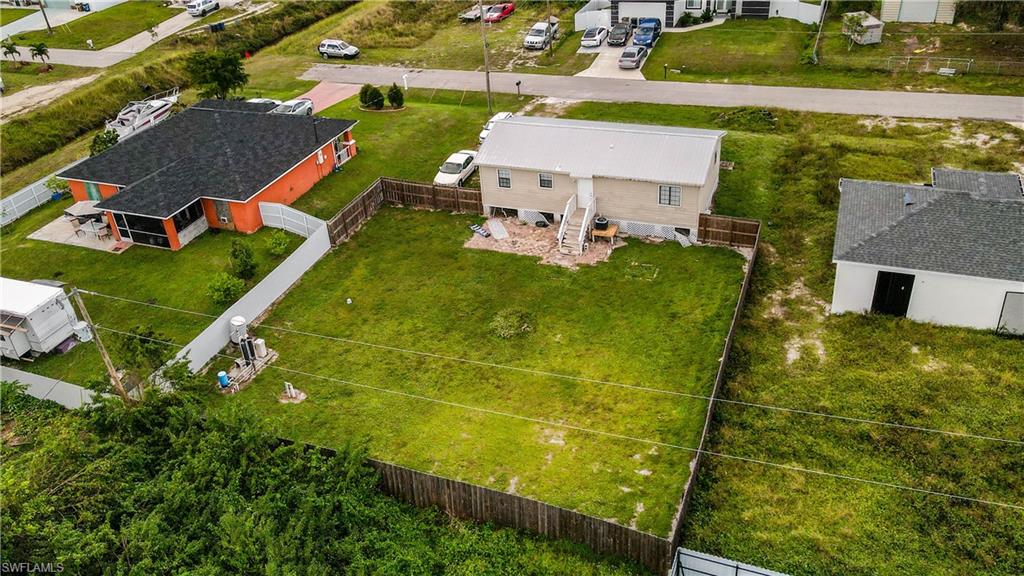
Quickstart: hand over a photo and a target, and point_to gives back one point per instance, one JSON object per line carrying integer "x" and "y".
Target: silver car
{"x": 633, "y": 57}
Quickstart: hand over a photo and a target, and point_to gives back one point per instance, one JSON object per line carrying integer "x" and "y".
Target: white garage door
{"x": 918, "y": 10}
{"x": 642, "y": 10}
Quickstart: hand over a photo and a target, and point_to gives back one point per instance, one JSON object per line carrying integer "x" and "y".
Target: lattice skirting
{"x": 531, "y": 216}
{"x": 644, "y": 229}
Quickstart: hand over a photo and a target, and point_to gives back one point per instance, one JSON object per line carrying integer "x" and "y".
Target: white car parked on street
{"x": 337, "y": 49}
{"x": 456, "y": 169}
{"x": 490, "y": 124}
{"x": 298, "y": 107}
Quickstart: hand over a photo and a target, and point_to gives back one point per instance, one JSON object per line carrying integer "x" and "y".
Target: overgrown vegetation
{"x": 216, "y": 74}
{"x": 170, "y": 487}
{"x": 102, "y": 141}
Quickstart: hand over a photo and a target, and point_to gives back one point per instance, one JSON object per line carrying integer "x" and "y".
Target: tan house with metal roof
{"x": 645, "y": 180}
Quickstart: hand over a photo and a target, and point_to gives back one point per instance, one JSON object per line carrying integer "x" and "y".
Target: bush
{"x": 512, "y": 322}
{"x": 224, "y": 289}
{"x": 102, "y": 141}
{"x": 706, "y": 15}
{"x": 54, "y": 184}
{"x": 374, "y": 99}
{"x": 685, "y": 20}
{"x": 395, "y": 96}
{"x": 278, "y": 243}
{"x": 364, "y": 94}
{"x": 243, "y": 262}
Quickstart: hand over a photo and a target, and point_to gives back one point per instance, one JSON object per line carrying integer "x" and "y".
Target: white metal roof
{"x": 583, "y": 148}
{"x": 22, "y": 298}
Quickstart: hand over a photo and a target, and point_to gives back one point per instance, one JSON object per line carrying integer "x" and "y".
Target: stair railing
{"x": 570, "y": 209}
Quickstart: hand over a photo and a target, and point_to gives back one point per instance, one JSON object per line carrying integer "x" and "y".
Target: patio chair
{"x": 76, "y": 224}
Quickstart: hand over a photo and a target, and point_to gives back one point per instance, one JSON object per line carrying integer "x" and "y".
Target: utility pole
{"x": 114, "y": 378}
{"x": 487, "y": 64}
{"x": 551, "y": 43}
{"x": 42, "y": 9}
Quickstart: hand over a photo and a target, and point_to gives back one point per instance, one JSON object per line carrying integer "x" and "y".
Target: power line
{"x": 545, "y": 373}
{"x": 616, "y": 435}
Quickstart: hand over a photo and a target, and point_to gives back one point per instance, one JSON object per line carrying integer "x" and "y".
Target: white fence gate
{"x": 28, "y": 198}
{"x": 693, "y": 563}
{"x": 290, "y": 219}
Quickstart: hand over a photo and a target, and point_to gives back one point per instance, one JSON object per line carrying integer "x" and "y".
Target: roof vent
{"x": 908, "y": 199}
{"x": 611, "y": 146}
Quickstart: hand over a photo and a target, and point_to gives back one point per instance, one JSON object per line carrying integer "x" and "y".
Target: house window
{"x": 504, "y": 178}
{"x": 142, "y": 230}
{"x": 670, "y": 195}
{"x": 189, "y": 215}
{"x": 546, "y": 180}
{"x": 693, "y": 4}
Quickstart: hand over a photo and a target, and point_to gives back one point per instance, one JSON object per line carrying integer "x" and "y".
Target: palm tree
{"x": 10, "y": 50}
{"x": 40, "y": 51}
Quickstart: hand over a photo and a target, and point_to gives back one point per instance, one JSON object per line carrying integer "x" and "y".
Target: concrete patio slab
{"x": 62, "y": 232}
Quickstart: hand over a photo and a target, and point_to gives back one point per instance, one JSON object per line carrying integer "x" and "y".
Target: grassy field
{"x": 790, "y": 352}
{"x": 18, "y": 76}
{"x": 636, "y": 319}
{"x": 768, "y": 52}
{"x": 141, "y": 273}
{"x": 432, "y": 126}
{"x": 17, "y": 179}
{"x": 430, "y": 36}
{"x": 8, "y": 15}
{"x": 104, "y": 28}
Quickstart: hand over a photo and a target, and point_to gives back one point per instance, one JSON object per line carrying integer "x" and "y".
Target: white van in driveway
{"x": 202, "y": 7}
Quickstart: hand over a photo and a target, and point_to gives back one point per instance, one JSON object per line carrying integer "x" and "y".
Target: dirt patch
{"x": 548, "y": 106}
{"x": 888, "y": 123}
{"x": 529, "y": 240}
{"x": 512, "y": 485}
{"x": 36, "y": 96}
{"x": 796, "y": 294}
{"x": 637, "y": 511}
{"x": 934, "y": 365}
{"x": 795, "y": 346}
{"x": 959, "y": 137}
{"x": 645, "y": 472}
{"x": 556, "y": 437}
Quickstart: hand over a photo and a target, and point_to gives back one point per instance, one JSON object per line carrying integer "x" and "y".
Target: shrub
{"x": 277, "y": 243}
{"x": 243, "y": 262}
{"x": 685, "y": 20}
{"x": 54, "y": 184}
{"x": 102, "y": 141}
{"x": 374, "y": 99}
{"x": 706, "y": 15}
{"x": 224, "y": 289}
{"x": 364, "y": 94}
{"x": 395, "y": 96}
{"x": 512, "y": 322}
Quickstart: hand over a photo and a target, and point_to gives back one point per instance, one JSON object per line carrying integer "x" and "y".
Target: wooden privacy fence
{"x": 676, "y": 535}
{"x": 471, "y": 502}
{"x": 728, "y": 230}
{"x": 406, "y": 192}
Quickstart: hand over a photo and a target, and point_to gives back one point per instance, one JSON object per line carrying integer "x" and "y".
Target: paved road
{"x": 870, "y": 102}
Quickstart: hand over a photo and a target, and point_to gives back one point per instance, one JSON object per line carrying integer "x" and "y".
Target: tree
{"x": 374, "y": 99}
{"x": 40, "y": 51}
{"x": 217, "y": 74}
{"x": 224, "y": 289}
{"x": 853, "y": 26}
{"x": 243, "y": 262}
{"x": 102, "y": 141}
{"x": 56, "y": 185}
{"x": 278, "y": 243}
{"x": 395, "y": 96}
{"x": 364, "y": 95}
{"x": 10, "y": 50}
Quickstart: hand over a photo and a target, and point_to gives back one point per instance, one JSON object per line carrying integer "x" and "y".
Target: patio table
{"x": 100, "y": 229}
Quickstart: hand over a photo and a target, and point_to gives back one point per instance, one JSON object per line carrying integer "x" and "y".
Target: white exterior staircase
{"x": 576, "y": 223}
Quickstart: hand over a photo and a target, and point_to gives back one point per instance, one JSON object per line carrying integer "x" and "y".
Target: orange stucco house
{"x": 209, "y": 167}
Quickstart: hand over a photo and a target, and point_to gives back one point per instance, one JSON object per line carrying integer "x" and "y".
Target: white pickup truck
{"x": 541, "y": 35}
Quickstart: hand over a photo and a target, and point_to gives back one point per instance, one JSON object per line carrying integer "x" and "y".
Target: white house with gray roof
{"x": 951, "y": 253}
{"x": 647, "y": 180}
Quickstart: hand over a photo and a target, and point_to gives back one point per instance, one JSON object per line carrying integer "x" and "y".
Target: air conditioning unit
{"x": 223, "y": 219}
{"x": 319, "y": 156}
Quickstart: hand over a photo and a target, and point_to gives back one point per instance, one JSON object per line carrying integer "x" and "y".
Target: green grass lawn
{"x": 768, "y": 52}
{"x": 8, "y": 15}
{"x": 411, "y": 34}
{"x": 104, "y": 28}
{"x": 637, "y": 319}
{"x": 154, "y": 275}
{"x": 410, "y": 143}
{"x": 787, "y": 166}
{"x": 18, "y": 76}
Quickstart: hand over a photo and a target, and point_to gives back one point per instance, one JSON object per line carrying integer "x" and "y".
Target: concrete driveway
{"x": 606, "y": 65}
{"x": 327, "y": 94}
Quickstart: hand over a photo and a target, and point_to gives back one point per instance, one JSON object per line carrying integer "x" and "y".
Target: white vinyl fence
{"x": 256, "y": 301}
{"x": 290, "y": 219}
{"x": 66, "y": 394}
{"x": 28, "y": 198}
{"x": 693, "y": 563}
{"x": 593, "y": 14}
{"x": 805, "y": 12}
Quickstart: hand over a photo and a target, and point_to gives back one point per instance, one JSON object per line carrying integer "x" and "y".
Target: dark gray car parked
{"x": 619, "y": 34}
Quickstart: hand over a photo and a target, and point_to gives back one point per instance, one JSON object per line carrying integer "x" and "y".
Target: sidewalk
{"x": 866, "y": 102}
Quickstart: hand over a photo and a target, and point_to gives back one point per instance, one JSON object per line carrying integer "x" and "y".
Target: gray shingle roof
{"x": 583, "y": 148}
{"x": 985, "y": 184}
{"x": 940, "y": 230}
{"x": 200, "y": 152}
